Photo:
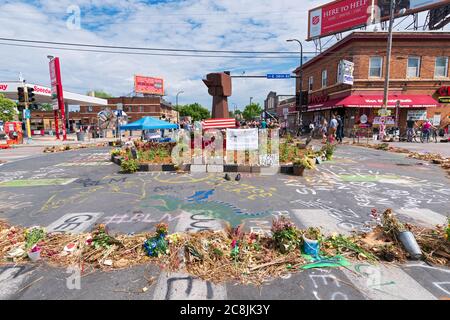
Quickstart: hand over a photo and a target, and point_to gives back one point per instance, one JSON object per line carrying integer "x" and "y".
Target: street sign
{"x": 278, "y": 76}
{"x": 26, "y": 114}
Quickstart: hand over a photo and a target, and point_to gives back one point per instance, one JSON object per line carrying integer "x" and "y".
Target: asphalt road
{"x": 52, "y": 189}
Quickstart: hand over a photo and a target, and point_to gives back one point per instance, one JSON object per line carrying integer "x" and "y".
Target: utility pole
{"x": 388, "y": 58}
{"x": 300, "y": 103}
{"x": 176, "y": 104}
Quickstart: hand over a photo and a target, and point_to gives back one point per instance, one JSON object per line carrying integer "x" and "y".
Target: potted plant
{"x": 311, "y": 240}
{"x": 300, "y": 164}
{"x": 35, "y": 253}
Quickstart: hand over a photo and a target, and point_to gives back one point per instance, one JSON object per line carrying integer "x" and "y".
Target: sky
{"x": 247, "y": 25}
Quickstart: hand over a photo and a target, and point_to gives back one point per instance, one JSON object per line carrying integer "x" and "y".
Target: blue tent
{"x": 149, "y": 123}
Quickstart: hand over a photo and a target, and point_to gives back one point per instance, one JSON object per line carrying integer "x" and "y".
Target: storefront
{"x": 361, "y": 110}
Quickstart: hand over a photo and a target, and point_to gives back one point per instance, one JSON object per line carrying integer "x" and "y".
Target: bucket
{"x": 409, "y": 242}
{"x": 311, "y": 247}
{"x": 34, "y": 256}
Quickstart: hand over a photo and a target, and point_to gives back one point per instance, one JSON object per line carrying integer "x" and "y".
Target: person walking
{"x": 333, "y": 129}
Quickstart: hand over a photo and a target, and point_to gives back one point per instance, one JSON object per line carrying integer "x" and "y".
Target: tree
{"x": 7, "y": 109}
{"x": 252, "y": 111}
{"x": 195, "y": 111}
{"x": 101, "y": 94}
{"x": 46, "y": 107}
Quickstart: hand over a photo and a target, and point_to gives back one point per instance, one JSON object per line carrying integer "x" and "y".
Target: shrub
{"x": 329, "y": 151}
{"x": 129, "y": 165}
{"x": 306, "y": 162}
{"x": 285, "y": 234}
{"x": 116, "y": 152}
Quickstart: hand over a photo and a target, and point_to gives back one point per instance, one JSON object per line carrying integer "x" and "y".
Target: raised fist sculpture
{"x": 219, "y": 86}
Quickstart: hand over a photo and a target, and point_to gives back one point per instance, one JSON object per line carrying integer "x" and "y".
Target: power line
{"x": 147, "y": 53}
{"x": 144, "y": 48}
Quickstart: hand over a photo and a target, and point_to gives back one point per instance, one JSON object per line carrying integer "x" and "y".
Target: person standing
{"x": 410, "y": 125}
{"x": 340, "y": 129}
{"x": 426, "y": 128}
{"x": 263, "y": 124}
{"x": 324, "y": 130}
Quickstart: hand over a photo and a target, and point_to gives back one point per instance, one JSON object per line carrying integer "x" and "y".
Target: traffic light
{"x": 31, "y": 98}
{"x": 21, "y": 94}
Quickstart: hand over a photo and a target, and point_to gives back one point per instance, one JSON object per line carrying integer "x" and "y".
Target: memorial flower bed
{"x": 231, "y": 254}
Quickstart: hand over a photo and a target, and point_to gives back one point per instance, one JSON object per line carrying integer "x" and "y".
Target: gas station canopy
{"x": 44, "y": 94}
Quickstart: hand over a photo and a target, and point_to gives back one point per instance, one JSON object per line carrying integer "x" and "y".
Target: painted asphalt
{"x": 49, "y": 189}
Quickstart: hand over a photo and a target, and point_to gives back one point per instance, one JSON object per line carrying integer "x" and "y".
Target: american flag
{"x": 219, "y": 123}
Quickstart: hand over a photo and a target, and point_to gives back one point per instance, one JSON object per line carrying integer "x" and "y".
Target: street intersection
{"x": 71, "y": 191}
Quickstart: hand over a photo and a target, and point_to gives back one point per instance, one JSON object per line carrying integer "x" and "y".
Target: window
{"x": 375, "y": 67}
{"x": 441, "y": 67}
{"x": 90, "y": 109}
{"x": 413, "y": 70}
{"x": 324, "y": 78}
{"x": 310, "y": 83}
{"x": 141, "y": 108}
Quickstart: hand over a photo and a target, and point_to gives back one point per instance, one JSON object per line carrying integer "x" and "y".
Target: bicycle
{"x": 418, "y": 136}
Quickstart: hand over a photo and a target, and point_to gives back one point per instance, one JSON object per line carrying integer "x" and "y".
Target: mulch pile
{"x": 218, "y": 256}
{"x": 68, "y": 147}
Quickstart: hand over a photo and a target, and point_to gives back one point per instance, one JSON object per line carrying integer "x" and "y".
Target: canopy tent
{"x": 149, "y": 123}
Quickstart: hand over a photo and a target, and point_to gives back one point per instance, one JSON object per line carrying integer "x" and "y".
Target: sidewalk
{"x": 48, "y": 141}
{"x": 430, "y": 147}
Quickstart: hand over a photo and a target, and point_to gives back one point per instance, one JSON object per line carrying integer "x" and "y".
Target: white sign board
{"x": 417, "y": 114}
{"x": 436, "y": 120}
{"x": 242, "y": 139}
{"x": 285, "y": 111}
{"x": 388, "y": 120}
{"x": 345, "y": 72}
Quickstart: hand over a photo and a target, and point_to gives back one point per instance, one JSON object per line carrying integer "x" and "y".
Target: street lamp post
{"x": 251, "y": 98}
{"x": 176, "y": 104}
{"x": 301, "y": 80}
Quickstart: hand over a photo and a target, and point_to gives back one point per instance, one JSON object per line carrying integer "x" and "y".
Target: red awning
{"x": 376, "y": 101}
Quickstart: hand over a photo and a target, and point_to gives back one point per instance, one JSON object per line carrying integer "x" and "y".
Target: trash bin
{"x": 80, "y": 136}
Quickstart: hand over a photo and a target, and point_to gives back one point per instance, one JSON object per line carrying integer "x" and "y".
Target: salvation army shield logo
{"x": 315, "y": 20}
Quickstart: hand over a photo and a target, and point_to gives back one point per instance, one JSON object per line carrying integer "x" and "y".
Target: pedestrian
{"x": 333, "y": 129}
{"x": 263, "y": 124}
{"x": 311, "y": 128}
{"x": 324, "y": 130}
{"x": 410, "y": 125}
{"x": 340, "y": 129}
{"x": 382, "y": 129}
{"x": 426, "y": 128}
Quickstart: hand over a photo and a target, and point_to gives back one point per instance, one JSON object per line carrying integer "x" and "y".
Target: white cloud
{"x": 261, "y": 25}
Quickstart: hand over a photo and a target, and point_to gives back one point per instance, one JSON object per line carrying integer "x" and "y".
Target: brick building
{"x": 419, "y": 74}
{"x": 134, "y": 107}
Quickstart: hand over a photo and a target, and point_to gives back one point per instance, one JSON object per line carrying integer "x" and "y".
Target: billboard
{"x": 149, "y": 85}
{"x": 343, "y": 15}
{"x": 338, "y": 16}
